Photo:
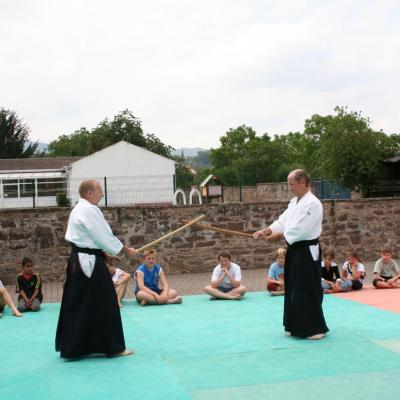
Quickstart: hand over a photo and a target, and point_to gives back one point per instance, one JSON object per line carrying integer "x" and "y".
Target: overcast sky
{"x": 190, "y": 70}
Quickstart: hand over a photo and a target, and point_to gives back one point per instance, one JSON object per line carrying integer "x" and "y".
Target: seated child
{"x": 275, "y": 282}
{"x": 29, "y": 287}
{"x": 120, "y": 280}
{"x": 226, "y": 280}
{"x": 330, "y": 272}
{"x": 148, "y": 276}
{"x": 386, "y": 271}
{"x": 353, "y": 274}
{"x": 5, "y": 299}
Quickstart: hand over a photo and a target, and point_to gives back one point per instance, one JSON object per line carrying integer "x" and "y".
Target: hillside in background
{"x": 188, "y": 151}
{"x": 42, "y": 146}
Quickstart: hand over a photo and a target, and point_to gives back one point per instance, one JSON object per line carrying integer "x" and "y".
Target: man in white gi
{"x": 90, "y": 320}
{"x": 300, "y": 225}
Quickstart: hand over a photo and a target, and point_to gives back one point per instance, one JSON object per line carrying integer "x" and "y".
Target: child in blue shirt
{"x": 148, "y": 276}
{"x": 275, "y": 280}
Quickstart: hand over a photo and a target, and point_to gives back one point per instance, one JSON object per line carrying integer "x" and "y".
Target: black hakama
{"x": 303, "y": 315}
{"x": 90, "y": 319}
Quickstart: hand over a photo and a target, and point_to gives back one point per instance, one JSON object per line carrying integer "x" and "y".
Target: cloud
{"x": 192, "y": 70}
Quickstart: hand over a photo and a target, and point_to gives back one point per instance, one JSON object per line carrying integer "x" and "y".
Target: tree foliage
{"x": 184, "y": 179}
{"x": 245, "y": 159}
{"x": 124, "y": 126}
{"x": 14, "y": 136}
{"x": 349, "y": 151}
{"x": 342, "y": 148}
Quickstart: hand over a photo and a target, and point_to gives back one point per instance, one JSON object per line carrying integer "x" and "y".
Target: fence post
{"x": 240, "y": 188}
{"x": 33, "y": 200}
{"x": 105, "y": 191}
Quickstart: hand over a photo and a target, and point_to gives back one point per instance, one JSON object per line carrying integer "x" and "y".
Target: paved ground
{"x": 185, "y": 284}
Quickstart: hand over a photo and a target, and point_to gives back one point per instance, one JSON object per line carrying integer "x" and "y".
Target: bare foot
{"x": 142, "y": 302}
{"x": 120, "y": 305}
{"x": 317, "y": 336}
{"x": 1, "y": 315}
{"x": 237, "y": 297}
{"x": 17, "y": 313}
{"x": 176, "y": 300}
{"x": 126, "y": 352}
{"x": 287, "y": 333}
{"x": 213, "y": 298}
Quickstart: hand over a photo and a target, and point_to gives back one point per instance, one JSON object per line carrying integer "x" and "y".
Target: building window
{"x": 26, "y": 187}
{"x": 50, "y": 187}
{"x": 10, "y": 188}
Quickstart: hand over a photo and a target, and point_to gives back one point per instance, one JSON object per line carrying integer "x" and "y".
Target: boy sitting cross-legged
{"x": 275, "y": 279}
{"x": 386, "y": 271}
{"x": 29, "y": 287}
{"x": 226, "y": 280}
{"x": 147, "y": 277}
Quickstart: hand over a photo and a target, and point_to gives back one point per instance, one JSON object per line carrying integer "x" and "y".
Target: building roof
{"x": 35, "y": 164}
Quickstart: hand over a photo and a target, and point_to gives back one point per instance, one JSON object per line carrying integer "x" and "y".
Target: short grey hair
{"x": 86, "y": 186}
{"x": 301, "y": 175}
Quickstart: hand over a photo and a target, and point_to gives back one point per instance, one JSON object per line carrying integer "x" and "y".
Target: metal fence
{"x": 120, "y": 190}
{"x": 145, "y": 189}
{"x": 326, "y": 190}
{"x": 279, "y": 191}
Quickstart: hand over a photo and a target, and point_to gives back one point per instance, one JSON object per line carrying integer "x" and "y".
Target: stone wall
{"x": 363, "y": 225}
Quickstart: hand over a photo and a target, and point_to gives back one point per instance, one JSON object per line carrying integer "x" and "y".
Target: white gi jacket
{"x": 302, "y": 220}
{"x": 87, "y": 228}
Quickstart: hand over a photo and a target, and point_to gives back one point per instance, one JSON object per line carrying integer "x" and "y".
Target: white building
{"x": 129, "y": 175}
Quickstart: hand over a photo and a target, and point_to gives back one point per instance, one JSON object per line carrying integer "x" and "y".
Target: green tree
{"x": 184, "y": 179}
{"x": 349, "y": 151}
{"x": 298, "y": 150}
{"x": 14, "y": 136}
{"x": 246, "y": 159}
{"x": 124, "y": 126}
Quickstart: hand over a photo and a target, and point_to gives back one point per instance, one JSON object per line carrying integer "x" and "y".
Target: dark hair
{"x": 27, "y": 260}
{"x": 328, "y": 252}
{"x": 225, "y": 255}
{"x": 386, "y": 250}
{"x": 354, "y": 255}
{"x": 301, "y": 175}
